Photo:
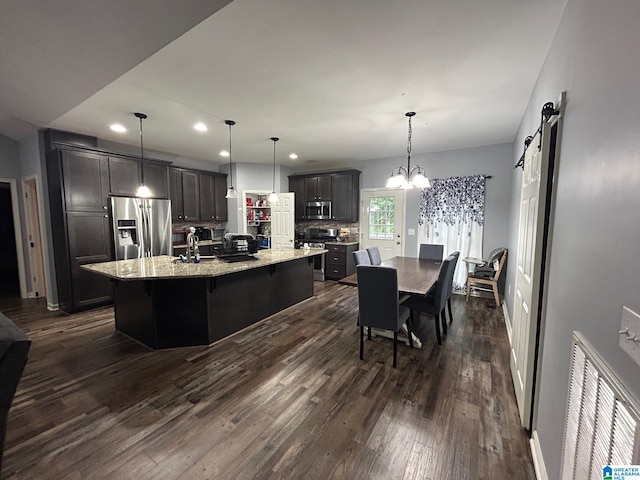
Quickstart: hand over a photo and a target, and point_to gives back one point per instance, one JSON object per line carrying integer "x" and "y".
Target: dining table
{"x": 416, "y": 276}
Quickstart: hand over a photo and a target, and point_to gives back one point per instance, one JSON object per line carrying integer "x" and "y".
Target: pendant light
{"x": 143, "y": 191}
{"x": 231, "y": 192}
{"x": 407, "y": 177}
{"x": 274, "y": 197}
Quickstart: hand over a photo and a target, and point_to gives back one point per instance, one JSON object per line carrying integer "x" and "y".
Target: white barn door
{"x": 528, "y": 270}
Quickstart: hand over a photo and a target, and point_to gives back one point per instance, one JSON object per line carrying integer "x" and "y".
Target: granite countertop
{"x": 167, "y": 267}
{"x": 341, "y": 243}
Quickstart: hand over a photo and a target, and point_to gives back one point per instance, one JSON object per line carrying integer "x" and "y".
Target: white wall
{"x": 494, "y": 160}
{"x": 594, "y": 253}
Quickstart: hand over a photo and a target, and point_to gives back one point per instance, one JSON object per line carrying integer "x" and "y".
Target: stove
{"x": 316, "y": 238}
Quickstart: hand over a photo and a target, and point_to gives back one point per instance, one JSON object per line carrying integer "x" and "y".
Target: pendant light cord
{"x": 230, "y": 170}
{"x": 141, "y": 154}
{"x": 409, "y": 146}
{"x": 273, "y": 182}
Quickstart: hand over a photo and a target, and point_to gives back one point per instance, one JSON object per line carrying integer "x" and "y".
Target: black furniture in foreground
{"x": 14, "y": 347}
{"x": 435, "y": 303}
{"x": 378, "y": 304}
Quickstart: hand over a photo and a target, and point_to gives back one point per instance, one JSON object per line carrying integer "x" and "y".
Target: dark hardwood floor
{"x": 287, "y": 398}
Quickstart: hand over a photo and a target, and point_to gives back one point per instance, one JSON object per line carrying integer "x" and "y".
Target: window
{"x": 381, "y": 218}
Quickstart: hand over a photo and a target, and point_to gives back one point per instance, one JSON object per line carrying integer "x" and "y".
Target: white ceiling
{"x": 331, "y": 78}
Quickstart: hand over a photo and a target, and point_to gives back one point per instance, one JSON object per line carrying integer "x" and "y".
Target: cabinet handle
{"x": 104, "y": 206}
{"x": 106, "y": 216}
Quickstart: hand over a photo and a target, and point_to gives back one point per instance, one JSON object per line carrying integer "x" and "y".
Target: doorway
{"x": 382, "y": 221}
{"x": 11, "y": 284}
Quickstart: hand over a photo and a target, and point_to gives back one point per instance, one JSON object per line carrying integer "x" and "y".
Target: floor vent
{"x": 601, "y": 420}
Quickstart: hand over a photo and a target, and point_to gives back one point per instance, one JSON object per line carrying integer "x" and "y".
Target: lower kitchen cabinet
{"x": 339, "y": 262}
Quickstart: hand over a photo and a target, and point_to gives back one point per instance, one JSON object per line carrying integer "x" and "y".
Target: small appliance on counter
{"x": 237, "y": 247}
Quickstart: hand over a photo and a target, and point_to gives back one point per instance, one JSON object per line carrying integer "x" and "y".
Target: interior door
{"x": 533, "y": 201}
{"x": 382, "y": 221}
{"x": 283, "y": 221}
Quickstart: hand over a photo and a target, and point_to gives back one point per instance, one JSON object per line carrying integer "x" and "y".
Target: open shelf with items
{"x": 257, "y": 216}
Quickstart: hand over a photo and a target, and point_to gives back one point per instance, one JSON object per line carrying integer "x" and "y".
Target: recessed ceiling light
{"x": 224, "y": 153}
{"x": 116, "y": 127}
{"x": 201, "y": 127}
{"x": 293, "y": 156}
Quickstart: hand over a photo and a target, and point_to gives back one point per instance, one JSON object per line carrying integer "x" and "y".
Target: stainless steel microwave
{"x": 317, "y": 210}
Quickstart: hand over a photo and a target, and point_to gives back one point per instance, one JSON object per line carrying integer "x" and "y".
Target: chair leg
{"x": 395, "y": 348}
{"x": 468, "y": 289}
{"x": 495, "y": 293}
{"x": 410, "y": 333}
{"x": 450, "y": 314}
{"x": 436, "y": 317}
{"x": 361, "y": 342}
{"x": 443, "y": 320}
{"x": 369, "y": 333}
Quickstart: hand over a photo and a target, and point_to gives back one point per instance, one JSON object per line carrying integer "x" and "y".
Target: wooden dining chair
{"x": 374, "y": 255}
{"x": 434, "y": 302}
{"x": 379, "y": 305}
{"x": 456, "y": 256}
{"x": 486, "y": 278}
{"x": 431, "y": 251}
{"x": 361, "y": 257}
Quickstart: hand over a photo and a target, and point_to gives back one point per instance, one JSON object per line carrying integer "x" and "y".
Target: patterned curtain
{"x": 452, "y": 214}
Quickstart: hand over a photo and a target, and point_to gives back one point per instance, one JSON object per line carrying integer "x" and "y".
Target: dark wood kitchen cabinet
{"x": 343, "y": 191}
{"x": 339, "y": 261}
{"x": 184, "y": 193}
{"x": 317, "y": 188}
{"x": 125, "y": 176}
{"x": 296, "y": 185}
{"x": 78, "y": 184}
{"x": 85, "y": 181}
{"x": 345, "y": 196}
{"x": 213, "y": 204}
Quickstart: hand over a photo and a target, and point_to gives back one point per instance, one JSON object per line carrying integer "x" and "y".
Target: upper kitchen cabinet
{"x": 342, "y": 188}
{"x": 317, "y": 188}
{"x": 156, "y": 177}
{"x": 296, "y": 185}
{"x": 345, "y": 195}
{"x": 184, "y": 193}
{"x": 85, "y": 181}
{"x": 213, "y": 204}
{"x": 124, "y": 176}
{"x": 197, "y": 195}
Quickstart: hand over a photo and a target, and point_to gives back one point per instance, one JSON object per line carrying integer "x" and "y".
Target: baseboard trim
{"x": 53, "y": 306}
{"x": 507, "y": 320}
{"x": 538, "y": 460}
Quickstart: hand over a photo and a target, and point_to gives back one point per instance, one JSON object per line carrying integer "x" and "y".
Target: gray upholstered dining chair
{"x": 435, "y": 301}
{"x": 456, "y": 256}
{"x": 361, "y": 257}
{"x": 379, "y": 305}
{"x": 431, "y": 251}
{"x": 374, "y": 255}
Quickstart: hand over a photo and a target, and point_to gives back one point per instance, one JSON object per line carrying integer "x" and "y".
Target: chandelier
{"x": 408, "y": 177}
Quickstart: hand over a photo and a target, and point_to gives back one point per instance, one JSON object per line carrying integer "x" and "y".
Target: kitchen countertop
{"x": 341, "y": 243}
{"x": 201, "y": 243}
{"x": 167, "y": 267}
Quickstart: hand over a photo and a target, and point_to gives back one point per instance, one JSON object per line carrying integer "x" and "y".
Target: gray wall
{"x": 9, "y": 158}
{"x": 594, "y": 255}
{"x": 494, "y": 160}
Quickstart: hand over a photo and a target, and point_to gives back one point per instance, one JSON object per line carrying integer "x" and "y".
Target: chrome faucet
{"x": 193, "y": 254}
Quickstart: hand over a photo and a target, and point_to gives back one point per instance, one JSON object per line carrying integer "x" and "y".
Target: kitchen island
{"x": 165, "y": 303}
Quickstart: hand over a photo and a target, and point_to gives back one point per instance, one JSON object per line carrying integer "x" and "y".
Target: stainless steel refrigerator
{"x": 141, "y": 227}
